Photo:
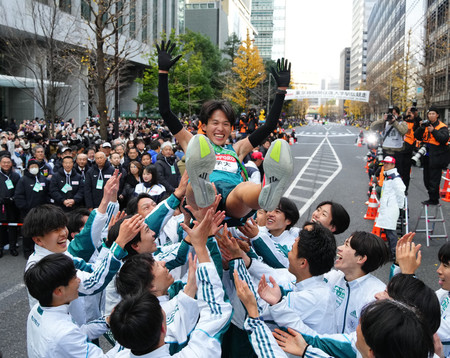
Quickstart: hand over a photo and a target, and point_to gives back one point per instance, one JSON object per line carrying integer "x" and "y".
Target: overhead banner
{"x": 361, "y": 96}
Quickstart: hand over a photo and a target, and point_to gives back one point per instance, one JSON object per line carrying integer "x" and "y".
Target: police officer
{"x": 434, "y": 134}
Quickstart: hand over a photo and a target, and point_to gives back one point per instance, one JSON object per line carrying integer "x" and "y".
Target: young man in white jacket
{"x": 138, "y": 322}
{"x": 392, "y": 200}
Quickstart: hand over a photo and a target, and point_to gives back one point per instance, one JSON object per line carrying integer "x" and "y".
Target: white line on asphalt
{"x": 322, "y": 188}
{"x": 11, "y": 291}
{"x": 299, "y": 187}
{"x": 301, "y": 157}
{"x": 300, "y": 173}
{"x": 298, "y": 198}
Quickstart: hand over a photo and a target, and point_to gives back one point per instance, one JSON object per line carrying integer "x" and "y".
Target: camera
{"x": 390, "y": 115}
{"x": 414, "y": 106}
{"x": 420, "y": 153}
{"x": 425, "y": 123}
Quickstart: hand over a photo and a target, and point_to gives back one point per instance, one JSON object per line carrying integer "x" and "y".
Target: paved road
{"x": 328, "y": 166}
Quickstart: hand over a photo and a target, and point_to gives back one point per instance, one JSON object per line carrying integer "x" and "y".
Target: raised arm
{"x": 282, "y": 75}
{"x": 165, "y": 62}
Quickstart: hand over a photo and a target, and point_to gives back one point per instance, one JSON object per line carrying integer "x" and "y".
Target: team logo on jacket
{"x": 340, "y": 295}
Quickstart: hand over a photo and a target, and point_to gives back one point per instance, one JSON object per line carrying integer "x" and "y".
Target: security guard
{"x": 435, "y": 135}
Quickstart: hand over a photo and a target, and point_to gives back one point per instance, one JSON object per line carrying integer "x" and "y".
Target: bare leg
{"x": 243, "y": 199}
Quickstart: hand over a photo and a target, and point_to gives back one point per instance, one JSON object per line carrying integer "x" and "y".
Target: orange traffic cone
{"x": 443, "y": 192}
{"x": 372, "y": 208}
{"x": 359, "y": 143}
{"x": 377, "y": 231}
{"x": 367, "y": 166}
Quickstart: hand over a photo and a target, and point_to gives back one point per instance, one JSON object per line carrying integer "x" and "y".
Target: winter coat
{"x": 92, "y": 195}
{"x": 392, "y": 199}
{"x": 26, "y": 197}
{"x": 59, "y": 193}
{"x": 8, "y": 209}
{"x": 165, "y": 177}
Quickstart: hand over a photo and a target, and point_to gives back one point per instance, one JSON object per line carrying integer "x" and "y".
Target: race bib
{"x": 9, "y": 184}
{"x": 66, "y": 188}
{"x": 226, "y": 163}
{"x": 99, "y": 184}
{"x": 37, "y": 187}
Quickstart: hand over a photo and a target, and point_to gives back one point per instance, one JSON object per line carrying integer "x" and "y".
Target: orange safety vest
{"x": 428, "y": 138}
{"x": 243, "y": 126}
{"x": 409, "y": 136}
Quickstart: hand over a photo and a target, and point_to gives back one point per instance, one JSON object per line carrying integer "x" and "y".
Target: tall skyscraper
{"x": 358, "y": 61}
{"x": 262, "y": 19}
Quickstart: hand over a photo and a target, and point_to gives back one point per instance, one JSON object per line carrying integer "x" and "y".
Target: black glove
{"x": 165, "y": 61}
{"x": 282, "y": 73}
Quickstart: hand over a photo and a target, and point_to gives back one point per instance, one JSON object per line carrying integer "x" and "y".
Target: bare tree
{"x": 110, "y": 50}
{"x": 41, "y": 53}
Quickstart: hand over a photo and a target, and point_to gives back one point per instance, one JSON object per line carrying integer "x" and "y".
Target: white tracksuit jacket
{"x": 215, "y": 313}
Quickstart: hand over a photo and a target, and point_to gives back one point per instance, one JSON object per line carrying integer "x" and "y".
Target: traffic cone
{"x": 447, "y": 187}
{"x": 366, "y": 167}
{"x": 443, "y": 192}
{"x": 372, "y": 208}
{"x": 377, "y": 231}
{"x": 359, "y": 143}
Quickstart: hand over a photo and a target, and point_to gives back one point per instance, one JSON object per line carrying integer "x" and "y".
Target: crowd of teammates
{"x": 210, "y": 264}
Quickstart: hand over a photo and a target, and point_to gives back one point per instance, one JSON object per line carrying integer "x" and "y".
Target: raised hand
{"x": 129, "y": 229}
{"x": 272, "y": 295}
{"x": 409, "y": 256}
{"x": 282, "y": 73}
{"x": 120, "y": 215}
{"x": 250, "y": 229}
{"x": 246, "y": 296}
{"x": 165, "y": 60}
{"x": 291, "y": 342}
{"x": 191, "y": 286}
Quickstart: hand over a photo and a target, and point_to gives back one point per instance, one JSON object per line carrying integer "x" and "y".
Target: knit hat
{"x": 32, "y": 161}
{"x": 433, "y": 108}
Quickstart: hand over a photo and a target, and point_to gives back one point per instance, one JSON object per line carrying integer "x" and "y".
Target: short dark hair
{"x": 154, "y": 172}
{"x": 209, "y": 107}
{"x": 75, "y": 220}
{"x": 155, "y": 144}
{"x": 394, "y": 329}
{"x": 43, "y": 219}
{"x": 444, "y": 253}
{"x": 44, "y": 276}
{"x": 412, "y": 291}
{"x": 318, "y": 247}
{"x": 339, "y": 216}
{"x": 146, "y": 155}
{"x": 132, "y": 207}
{"x": 113, "y": 233}
{"x": 135, "y": 275}
{"x": 67, "y": 157}
{"x": 290, "y": 210}
{"x": 136, "y": 323}
{"x": 371, "y": 246}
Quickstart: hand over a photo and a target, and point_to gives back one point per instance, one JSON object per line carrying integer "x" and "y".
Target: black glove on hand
{"x": 165, "y": 61}
{"x": 282, "y": 73}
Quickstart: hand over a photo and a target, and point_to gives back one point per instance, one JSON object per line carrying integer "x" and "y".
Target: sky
{"x": 316, "y": 33}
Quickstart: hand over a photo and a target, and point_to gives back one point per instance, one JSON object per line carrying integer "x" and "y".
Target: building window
{"x": 144, "y": 20}
{"x": 65, "y": 5}
{"x": 133, "y": 19}
{"x": 155, "y": 20}
{"x": 85, "y": 10}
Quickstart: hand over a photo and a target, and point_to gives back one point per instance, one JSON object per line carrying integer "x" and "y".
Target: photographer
{"x": 393, "y": 129}
{"x": 403, "y": 158}
{"x": 434, "y": 134}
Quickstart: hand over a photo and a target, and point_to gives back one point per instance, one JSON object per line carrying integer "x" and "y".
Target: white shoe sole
{"x": 200, "y": 162}
{"x": 278, "y": 167}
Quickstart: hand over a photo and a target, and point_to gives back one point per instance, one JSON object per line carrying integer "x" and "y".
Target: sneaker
{"x": 200, "y": 162}
{"x": 278, "y": 166}
{"x": 430, "y": 202}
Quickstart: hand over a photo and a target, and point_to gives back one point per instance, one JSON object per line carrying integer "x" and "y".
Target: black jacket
{"x": 25, "y": 197}
{"x": 8, "y": 209}
{"x": 92, "y": 195}
{"x": 76, "y": 193}
{"x": 439, "y": 154}
{"x": 165, "y": 176}
{"x": 81, "y": 172}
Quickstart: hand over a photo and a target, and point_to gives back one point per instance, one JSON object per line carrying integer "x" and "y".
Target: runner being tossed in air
{"x": 209, "y": 160}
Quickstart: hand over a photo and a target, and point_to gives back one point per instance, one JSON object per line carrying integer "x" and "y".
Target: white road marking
{"x": 11, "y": 291}
{"x": 324, "y": 184}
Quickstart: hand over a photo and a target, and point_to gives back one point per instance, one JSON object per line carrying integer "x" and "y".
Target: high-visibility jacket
{"x": 409, "y": 136}
{"x": 428, "y": 138}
